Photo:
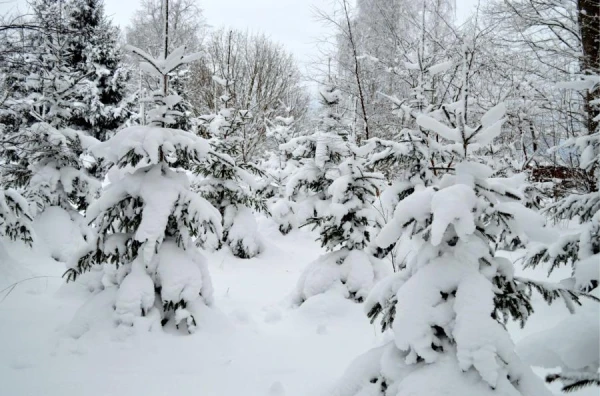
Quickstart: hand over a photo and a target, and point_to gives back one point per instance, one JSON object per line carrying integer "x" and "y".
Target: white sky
{"x": 290, "y": 22}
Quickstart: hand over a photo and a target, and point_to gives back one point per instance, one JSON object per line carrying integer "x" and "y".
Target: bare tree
{"x": 261, "y": 75}
{"x": 186, "y": 26}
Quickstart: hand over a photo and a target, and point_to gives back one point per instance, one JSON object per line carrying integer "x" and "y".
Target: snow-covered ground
{"x": 250, "y": 343}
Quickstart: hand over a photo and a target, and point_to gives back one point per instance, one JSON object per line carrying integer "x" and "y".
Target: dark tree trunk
{"x": 589, "y": 25}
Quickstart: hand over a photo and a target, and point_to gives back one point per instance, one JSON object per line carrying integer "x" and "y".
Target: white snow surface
{"x": 572, "y": 344}
{"x": 57, "y": 233}
{"x": 60, "y": 340}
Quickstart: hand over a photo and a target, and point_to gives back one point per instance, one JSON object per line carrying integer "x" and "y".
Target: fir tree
{"x": 228, "y": 182}
{"x": 339, "y": 191}
{"x": 42, "y": 154}
{"x": 448, "y": 306}
{"x": 413, "y": 159}
{"x": 148, "y": 218}
{"x": 279, "y": 168}
{"x": 93, "y": 50}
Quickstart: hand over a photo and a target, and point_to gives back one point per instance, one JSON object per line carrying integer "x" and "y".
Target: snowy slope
{"x": 252, "y": 343}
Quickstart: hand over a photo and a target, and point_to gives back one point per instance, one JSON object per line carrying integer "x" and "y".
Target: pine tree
{"x": 448, "y": 306}
{"x": 148, "y": 220}
{"x": 228, "y": 182}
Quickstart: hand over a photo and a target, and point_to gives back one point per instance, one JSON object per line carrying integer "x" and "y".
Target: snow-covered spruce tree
{"x": 279, "y": 169}
{"x": 415, "y": 158}
{"x": 345, "y": 227}
{"x": 42, "y": 155}
{"x": 46, "y": 163}
{"x": 93, "y": 51}
{"x": 228, "y": 182}
{"x": 446, "y": 310}
{"x": 581, "y": 250}
{"x": 148, "y": 216}
{"x": 315, "y": 157}
{"x": 340, "y": 193}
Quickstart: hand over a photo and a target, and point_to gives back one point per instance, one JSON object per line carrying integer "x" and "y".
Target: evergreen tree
{"x": 279, "y": 168}
{"x": 413, "y": 159}
{"x": 93, "y": 50}
{"x": 317, "y": 156}
{"x": 148, "y": 217}
{"x": 228, "y": 182}
{"x": 581, "y": 250}
{"x": 41, "y": 153}
{"x": 339, "y": 191}
{"x": 448, "y": 306}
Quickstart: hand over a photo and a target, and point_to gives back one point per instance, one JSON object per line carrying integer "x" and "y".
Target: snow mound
{"x": 573, "y": 344}
{"x": 58, "y": 233}
{"x": 242, "y": 235}
{"x": 350, "y": 274}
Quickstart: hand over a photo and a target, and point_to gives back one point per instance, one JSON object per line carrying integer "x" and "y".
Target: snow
{"x": 182, "y": 274}
{"x": 343, "y": 273}
{"x": 249, "y": 334}
{"x": 440, "y": 67}
{"x": 249, "y": 342}
{"x": 146, "y": 141}
{"x": 242, "y": 230}
{"x": 453, "y": 205}
{"x": 585, "y": 82}
{"x": 493, "y": 115}
{"x": 416, "y": 206}
{"x": 479, "y": 342}
{"x": 57, "y": 233}
{"x": 572, "y": 344}
{"x": 135, "y": 295}
{"x": 434, "y": 125}
{"x": 586, "y": 271}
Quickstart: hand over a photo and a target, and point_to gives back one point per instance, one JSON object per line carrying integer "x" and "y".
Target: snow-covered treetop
{"x": 331, "y": 119}
{"x": 140, "y": 146}
{"x": 162, "y": 67}
{"x": 164, "y": 113}
{"x": 463, "y": 135}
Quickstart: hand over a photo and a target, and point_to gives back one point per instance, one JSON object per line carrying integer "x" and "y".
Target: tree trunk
{"x": 588, "y": 12}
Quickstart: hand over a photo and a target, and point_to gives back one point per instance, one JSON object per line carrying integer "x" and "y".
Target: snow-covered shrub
{"x": 68, "y": 87}
{"x": 146, "y": 221}
{"x": 316, "y": 158}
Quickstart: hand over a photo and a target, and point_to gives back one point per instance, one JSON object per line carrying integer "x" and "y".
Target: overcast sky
{"x": 290, "y": 22}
